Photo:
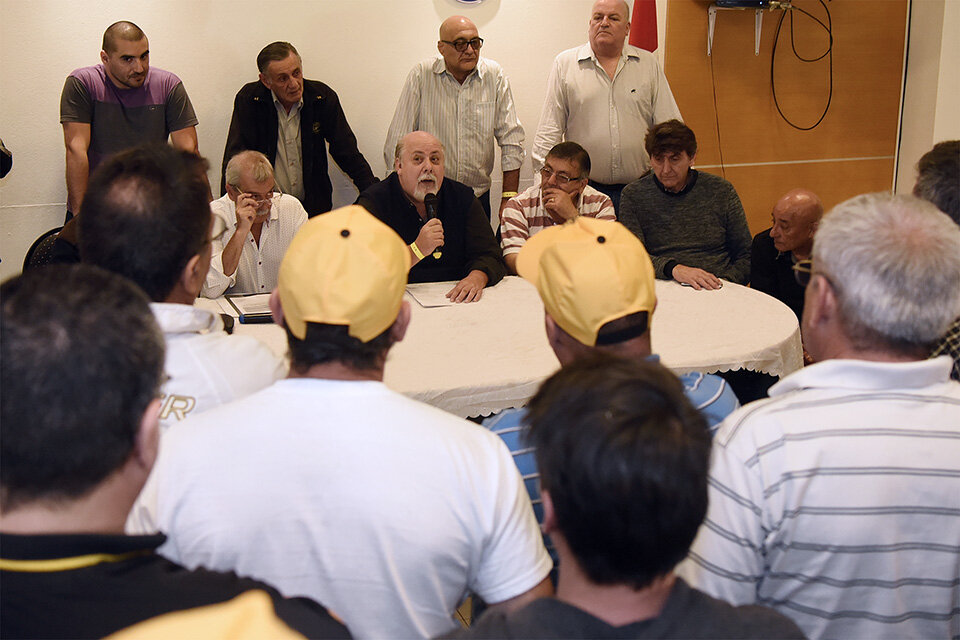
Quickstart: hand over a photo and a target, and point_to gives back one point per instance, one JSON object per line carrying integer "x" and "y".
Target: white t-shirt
{"x": 386, "y": 510}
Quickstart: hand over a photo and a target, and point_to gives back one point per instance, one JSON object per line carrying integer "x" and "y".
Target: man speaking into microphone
{"x": 449, "y": 236}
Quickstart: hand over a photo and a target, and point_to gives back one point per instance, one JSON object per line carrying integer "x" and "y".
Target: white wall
{"x": 362, "y": 48}
{"x": 931, "y": 98}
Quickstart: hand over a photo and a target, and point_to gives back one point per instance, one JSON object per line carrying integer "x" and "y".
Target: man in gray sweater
{"x": 691, "y": 223}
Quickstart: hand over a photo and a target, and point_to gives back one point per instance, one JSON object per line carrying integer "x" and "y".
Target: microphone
{"x": 430, "y": 201}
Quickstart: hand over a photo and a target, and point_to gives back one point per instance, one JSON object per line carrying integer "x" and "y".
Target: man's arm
{"x": 406, "y": 117}
{"x": 542, "y": 590}
{"x": 185, "y": 139}
{"x": 482, "y": 251}
{"x": 76, "y": 139}
{"x": 763, "y": 275}
{"x": 727, "y": 557}
{"x": 510, "y": 137}
{"x": 343, "y": 144}
{"x": 514, "y": 232}
{"x": 664, "y": 105}
{"x": 553, "y": 118}
{"x": 738, "y": 239}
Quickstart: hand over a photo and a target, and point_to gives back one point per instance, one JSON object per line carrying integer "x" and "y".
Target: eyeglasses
{"x": 561, "y": 178}
{"x": 803, "y": 271}
{"x": 260, "y": 198}
{"x": 461, "y": 45}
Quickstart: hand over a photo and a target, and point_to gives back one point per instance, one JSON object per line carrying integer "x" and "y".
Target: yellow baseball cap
{"x": 589, "y": 272}
{"x": 347, "y": 268}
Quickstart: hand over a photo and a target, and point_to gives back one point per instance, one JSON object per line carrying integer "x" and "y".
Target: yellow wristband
{"x": 508, "y": 194}
{"x": 416, "y": 250}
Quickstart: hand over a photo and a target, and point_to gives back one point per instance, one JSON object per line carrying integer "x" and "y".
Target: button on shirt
{"x": 465, "y": 117}
{"x": 288, "y": 165}
{"x": 609, "y": 118}
{"x": 259, "y": 265}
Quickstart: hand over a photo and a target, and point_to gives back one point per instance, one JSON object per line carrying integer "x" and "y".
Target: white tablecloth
{"x": 479, "y": 358}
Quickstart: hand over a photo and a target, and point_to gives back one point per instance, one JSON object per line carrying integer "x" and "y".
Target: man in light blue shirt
{"x": 598, "y": 288}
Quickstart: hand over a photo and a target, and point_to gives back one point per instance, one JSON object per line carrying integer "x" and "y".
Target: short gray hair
{"x": 260, "y": 167}
{"x": 894, "y": 262}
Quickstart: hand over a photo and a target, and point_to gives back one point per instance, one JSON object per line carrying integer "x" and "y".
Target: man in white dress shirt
{"x": 604, "y": 95}
{"x": 836, "y": 499}
{"x": 466, "y": 102}
{"x": 252, "y": 228}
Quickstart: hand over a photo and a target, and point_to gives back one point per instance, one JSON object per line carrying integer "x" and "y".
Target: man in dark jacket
{"x": 288, "y": 119}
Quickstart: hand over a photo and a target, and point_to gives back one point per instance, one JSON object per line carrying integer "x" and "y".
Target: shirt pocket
{"x": 481, "y": 116}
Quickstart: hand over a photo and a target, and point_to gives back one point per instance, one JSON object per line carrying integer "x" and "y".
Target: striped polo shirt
{"x": 525, "y": 215}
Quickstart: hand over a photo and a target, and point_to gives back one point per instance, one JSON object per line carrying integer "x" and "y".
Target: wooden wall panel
{"x": 861, "y": 123}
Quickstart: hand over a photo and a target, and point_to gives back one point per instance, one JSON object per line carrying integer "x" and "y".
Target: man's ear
{"x": 399, "y": 328}
{"x": 549, "y": 515}
{"x": 396, "y": 164}
{"x": 265, "y": 81}
{"x": 276, "y": 309}
{"x": 146, "y": 445}
{"x": 194, "y": 274}
{"x": 822, "y": 301}
{"x": 104, "y": 58}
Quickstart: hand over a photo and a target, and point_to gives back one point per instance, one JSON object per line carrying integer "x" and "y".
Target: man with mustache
{"x": 252, "y": 228}
{"x": 119, "y": 104}
{"x": 458, "y": 244}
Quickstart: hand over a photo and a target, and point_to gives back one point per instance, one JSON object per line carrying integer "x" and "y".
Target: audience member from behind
{"x": 692, "y": 223}
{"x": 843, "y": 484}
{"x": 146, "y": 217}
{"x": 562, "y": 195}
{"x": 82, "y": 364}
{"x": 597, "y": 285}
{"x": 291, "y": 121}
{"x": 329, "y": 484}
{"x": 451, "y": 241}
{"x": 252, "y": 228}
{"x": 623, "y": 459}
{"x": 790, "y": 239}
{"x": 938, "y": 181}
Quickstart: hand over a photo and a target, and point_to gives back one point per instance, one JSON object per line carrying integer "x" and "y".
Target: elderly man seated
{"x": 691, "y": 223}
{"x": 252, "y": 228}
{"x": 449, "y": 240}
{"x": 563, "y": 194}
{"x": 790, "y": 239}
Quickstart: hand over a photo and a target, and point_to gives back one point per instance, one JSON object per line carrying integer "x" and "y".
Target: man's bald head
{"x": 795, "y": 219}
{"x": 453, "y": 25}
{"x": 122, "y": 30}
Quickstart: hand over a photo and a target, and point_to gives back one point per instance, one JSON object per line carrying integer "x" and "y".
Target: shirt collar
{"x": 585, "y": 52}
{"x": 280, "y": 107}
{"x": 691, "y": 180}
{"x": 183, "y": 318}
{"x": 866, "y": 375}
{"x": 440, "y": 68}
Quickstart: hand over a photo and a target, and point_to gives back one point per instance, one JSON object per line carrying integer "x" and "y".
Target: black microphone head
{"x": 430, "y": 201}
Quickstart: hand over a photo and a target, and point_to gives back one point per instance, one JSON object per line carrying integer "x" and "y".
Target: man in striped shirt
{"x": 466, "y": 102}
{"x": 563, "y": 194}
{"x": 837, "y": 500}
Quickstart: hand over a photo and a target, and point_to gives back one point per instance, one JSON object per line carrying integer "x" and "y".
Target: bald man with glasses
{"x": 562, "y": 195}
{"x": 466, "y": 102}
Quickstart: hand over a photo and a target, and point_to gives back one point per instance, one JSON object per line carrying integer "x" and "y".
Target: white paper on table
{"x": 256, "y": 304}
{"x": 431, "y": 294}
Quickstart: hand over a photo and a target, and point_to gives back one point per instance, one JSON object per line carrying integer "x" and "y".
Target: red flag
{"x": 643, "y": 26}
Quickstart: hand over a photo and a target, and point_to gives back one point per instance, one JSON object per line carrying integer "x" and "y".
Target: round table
{"x": 479, "y": 358}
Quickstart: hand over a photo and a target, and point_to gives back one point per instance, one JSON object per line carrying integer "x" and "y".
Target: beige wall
{"x": 362, "y": 48}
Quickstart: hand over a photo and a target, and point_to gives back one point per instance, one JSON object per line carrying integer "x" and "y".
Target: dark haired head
{"x": 669, "y": 137}
{"x": 145, "y": 215}
{"x": 325, "y": 343}
{"x": 938, "y": 178}
{"x": 123, "y": 30}
{"x": 82, "y": 360}
{"x": 624, "y": 457}
{"x": 575, "y": 153}
{"x": 273, "y": 52}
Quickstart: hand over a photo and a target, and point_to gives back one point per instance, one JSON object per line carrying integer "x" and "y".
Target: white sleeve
{"x": 217, "y": 282}
{"x": 727, "y": 559}
{"x": 405, "y": 118}
{"x": 553, "y": 117}
{"x": 507, "y": 128}
{"x": 664, "y": 105}
{"x": 514, "y": 559}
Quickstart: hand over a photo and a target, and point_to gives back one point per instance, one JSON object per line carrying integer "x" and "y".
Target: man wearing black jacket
{"x": 289, "y": 119}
